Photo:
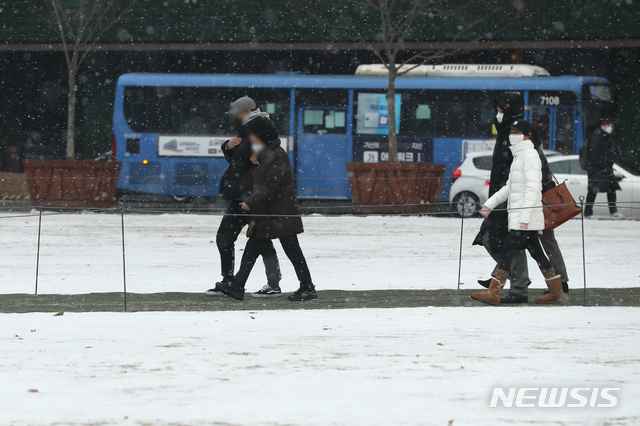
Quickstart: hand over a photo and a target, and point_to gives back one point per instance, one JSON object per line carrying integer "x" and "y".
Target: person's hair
{"x": 262, "y": 129}
{"x": 535, "y": 138}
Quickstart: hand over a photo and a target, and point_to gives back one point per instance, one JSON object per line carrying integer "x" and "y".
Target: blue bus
{"x": 168, "y": 128}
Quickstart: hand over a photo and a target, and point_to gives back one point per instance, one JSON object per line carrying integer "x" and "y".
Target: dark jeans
{"x": 519, "y": 240}
{"x": 230, "y": 227}
{"x": 258, "y": 246}
{"x": 591, "y": 198}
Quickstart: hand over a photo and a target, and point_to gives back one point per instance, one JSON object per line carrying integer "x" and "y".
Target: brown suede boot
{"x": 492, "y": 295}
{"x": 554, "y": 283}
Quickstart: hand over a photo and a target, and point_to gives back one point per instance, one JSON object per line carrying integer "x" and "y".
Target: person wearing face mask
{"x": 276, "y": 214}
{"x": 600, "y": 154}
{"x": 236, "y": 185}
{"x": 523, "y": 195}
{"x": 493, "y": 233}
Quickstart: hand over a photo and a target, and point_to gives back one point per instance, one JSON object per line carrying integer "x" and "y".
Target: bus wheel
{"x": 466, "y": 204}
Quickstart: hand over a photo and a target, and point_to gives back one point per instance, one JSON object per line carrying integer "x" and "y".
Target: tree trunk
{"x": 393, "y": 131}
{"x": 71, "y": 116}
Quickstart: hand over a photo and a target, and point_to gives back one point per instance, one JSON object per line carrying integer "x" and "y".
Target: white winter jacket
{"x": 523, "y": 189}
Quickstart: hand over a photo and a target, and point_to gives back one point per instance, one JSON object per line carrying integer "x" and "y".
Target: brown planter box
{"x": 395, "y": 187}
{"x": 13, "y": 185}
{"x": 72, "y": 183}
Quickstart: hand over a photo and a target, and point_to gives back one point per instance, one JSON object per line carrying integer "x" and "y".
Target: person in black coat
{"x": 236, "y": 185}
{"x": 277, "y": 216}
{"x": 600, "y": 154}
{"x": 494, "y": 230}
{"x": 509, "y": 108}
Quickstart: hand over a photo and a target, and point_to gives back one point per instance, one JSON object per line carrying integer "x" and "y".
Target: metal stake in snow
{"x": 584, "y": 262}
{"x": 461, "y": 233}
{"x": 124, "y": 270}
{"x": 38, "y": 251}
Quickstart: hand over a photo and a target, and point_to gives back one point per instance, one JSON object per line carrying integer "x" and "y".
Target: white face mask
{"x": 257, "y": 148}
{"x": 499, "y": 117}
{"x": 515, "y": 139}
{"x": 608, "y": 129}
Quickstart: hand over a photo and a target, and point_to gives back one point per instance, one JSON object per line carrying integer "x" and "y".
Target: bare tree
{"x": 395, "y": 20}
{"x": 80, "y": 24}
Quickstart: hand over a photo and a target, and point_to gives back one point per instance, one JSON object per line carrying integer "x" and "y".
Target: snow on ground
{"x": 82, "y": 253}
{"x": 341, "y": 367}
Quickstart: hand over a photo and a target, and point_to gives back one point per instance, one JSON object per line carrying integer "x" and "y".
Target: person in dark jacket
{"x": 236, "y": 185}
{"x": 600, "y": 153}
{"x": 494, "y": 230}
{"x": 277, "y": 216}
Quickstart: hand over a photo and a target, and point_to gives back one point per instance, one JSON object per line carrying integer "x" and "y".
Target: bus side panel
{"x": 145, "y": 172}
{"x": 449, "y": 152}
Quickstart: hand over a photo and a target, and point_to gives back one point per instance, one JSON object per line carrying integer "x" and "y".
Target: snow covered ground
{"x": 423, "y": 366}
{"x": 82, "y": 253}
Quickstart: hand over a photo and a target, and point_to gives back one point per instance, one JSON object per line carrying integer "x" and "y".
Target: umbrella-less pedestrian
{"x": 277, "y": 216}
{"x": 523, "y": 194}
{"x": 235, "y": 186}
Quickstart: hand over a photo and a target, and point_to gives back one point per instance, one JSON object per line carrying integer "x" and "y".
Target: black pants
{"x": 520, "y": 240}
{"x": 230, "y": 227}
{"x": 591, "y": 198}
{"x": 258, "y": 246}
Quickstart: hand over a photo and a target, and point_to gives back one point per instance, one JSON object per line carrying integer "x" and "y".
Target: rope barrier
{"x": 121, "y": 209}
{"x": 65, "y": 210}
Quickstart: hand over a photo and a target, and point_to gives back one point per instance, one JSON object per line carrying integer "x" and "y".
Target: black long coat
{"x": 237, "y": 180}
{"x": 600, "y": 154}
{"x": 274, "y": 194}
{"x": 496, "y": 224}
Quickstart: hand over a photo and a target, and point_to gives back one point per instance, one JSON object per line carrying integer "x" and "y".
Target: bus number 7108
{"x": 550, "y": 100}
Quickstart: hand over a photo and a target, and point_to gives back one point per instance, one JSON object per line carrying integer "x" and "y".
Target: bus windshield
{"x": 597, "y": 101}
{"x": 197, "y": 110}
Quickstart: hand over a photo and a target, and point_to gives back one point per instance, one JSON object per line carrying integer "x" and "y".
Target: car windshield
{"x": 629, "y": 164}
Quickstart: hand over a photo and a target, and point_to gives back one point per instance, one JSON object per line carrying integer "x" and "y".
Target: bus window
{"x": 198, "y": 110}
{"x": 447, "y": 113}
{"x": 372, "y": 117}
{"x": 564, "y": 130}
{"x": 324, "y": 121}
{"x": 540, "y": 120}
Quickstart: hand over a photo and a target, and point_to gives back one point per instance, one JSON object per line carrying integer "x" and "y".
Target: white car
{"x": 567, "y": 168}
{"x": 470, "y": 188}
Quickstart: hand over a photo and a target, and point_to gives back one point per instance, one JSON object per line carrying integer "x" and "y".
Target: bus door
{"x": 564, "y": 129}
{"x": 541, "y": 118}
{"x": 556, "y": 127}
{"x": 323, "y": 149}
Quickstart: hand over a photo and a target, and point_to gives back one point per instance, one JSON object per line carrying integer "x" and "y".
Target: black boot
{"x": 305, "y": 292}
{"x": 215, "y": 291}
{"x": 232, "y": 290}
{"x": 485, "y": 283}
{"x": 512, "y": 298}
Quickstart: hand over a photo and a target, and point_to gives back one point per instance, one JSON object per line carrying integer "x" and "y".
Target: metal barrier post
{"x": 584, "y": 262}
{"x": 38, "y": 251}
{"x": 124, "y": 261}
{"x": 461, "y": 234}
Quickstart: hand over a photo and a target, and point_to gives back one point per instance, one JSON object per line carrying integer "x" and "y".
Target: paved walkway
{"x": 329, "y": 299}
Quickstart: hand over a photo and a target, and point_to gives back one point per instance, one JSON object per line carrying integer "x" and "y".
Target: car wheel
{"x": 182, "y": 198}
{"x": 466, "y": 204}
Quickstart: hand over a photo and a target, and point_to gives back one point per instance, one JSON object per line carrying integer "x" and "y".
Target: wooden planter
{"x": 72, "y": 183}
{"x": 395, "y": 187}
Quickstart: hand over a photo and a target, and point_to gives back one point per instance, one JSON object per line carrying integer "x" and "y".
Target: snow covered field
{"x": 423, "y": 366}
{"x": 82, "y": 253}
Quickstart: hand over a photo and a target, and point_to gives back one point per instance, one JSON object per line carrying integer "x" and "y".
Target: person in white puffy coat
{"x": 523, "y": 194}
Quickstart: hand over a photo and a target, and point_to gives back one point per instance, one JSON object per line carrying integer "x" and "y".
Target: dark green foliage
{"x": 157, "y": 21}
